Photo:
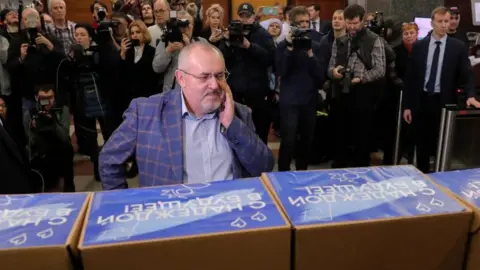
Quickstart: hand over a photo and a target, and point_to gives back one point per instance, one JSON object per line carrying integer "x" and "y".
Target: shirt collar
{"x": 186, "y": 113}
{"x": 443, "y": 40}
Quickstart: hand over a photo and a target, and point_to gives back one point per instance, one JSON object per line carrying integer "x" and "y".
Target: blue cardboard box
{"x": 371, "y": 218}
{"x": 218, "y": 225}
{"x": 465, "y": 185}
{"x": 40, "y": 231}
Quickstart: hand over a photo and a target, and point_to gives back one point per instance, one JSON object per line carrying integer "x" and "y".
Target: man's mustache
{"x": 217, "y": 92}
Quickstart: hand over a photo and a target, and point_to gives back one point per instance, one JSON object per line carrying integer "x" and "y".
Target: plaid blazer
{"x": 152, "y": 130}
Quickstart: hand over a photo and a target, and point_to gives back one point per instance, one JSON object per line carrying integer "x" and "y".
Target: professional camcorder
{"x": 104, "y": 25}
{"x": 376, "y": 24}
{"x": 235, "y": 30}
{"x": 32, "y": 33}
{"x": 173, "y": 29}
{"x": 300, "y": 39}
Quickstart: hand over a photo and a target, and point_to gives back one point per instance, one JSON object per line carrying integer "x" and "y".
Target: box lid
{"x": 358, "y": 194}
{"x": 464, "y": 183}
{"x": 180, "y": 210}
{"x": 38, "y": 220}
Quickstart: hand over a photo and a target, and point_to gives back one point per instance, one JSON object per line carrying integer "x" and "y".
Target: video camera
{"x": 300, "y": 39}
{"x": 235, "y": 30}
{"x": 32, "y": 33}
{"x": 173, "y": 31}
{"x": 376, "y": 24}
{"x": 104, "y": 25}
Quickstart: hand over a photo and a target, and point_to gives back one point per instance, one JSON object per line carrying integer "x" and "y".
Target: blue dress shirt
{"x": 431, "y": 49}
{"x": 207, "y": 155}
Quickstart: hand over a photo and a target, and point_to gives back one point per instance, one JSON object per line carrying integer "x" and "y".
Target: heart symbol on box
{"x": 45, "y": 234}
{"x": 239, "y": 223}
{"x": 437, "y": 202}
{"x": 259, "y": 217}
{"x": 18, "y": 240}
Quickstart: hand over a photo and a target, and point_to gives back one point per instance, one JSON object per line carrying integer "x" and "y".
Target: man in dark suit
{"x": 438, "y": 66}
{"x": 14, "y": 167}
{"x": 188, "y": 135}
{"x": 316, "y": 23}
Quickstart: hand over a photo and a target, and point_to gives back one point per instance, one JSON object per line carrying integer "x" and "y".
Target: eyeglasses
{"x": 221, "y": 76}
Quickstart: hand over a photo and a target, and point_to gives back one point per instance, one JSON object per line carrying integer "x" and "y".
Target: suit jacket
{"x": 14, "y": 168}
{"x": 456, "y": 72}
{"x": 152, "y": 129}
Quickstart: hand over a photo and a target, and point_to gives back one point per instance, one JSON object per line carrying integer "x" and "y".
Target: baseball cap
{"x": 246, "y": 7}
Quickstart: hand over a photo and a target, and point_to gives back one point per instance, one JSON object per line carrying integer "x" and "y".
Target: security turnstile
{"x": 459, "y": 139}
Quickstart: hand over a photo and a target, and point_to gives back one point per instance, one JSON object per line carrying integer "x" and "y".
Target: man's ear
{"x": 180, "y": 78}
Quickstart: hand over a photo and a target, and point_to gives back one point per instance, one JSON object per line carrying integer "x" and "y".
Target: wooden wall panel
{"x": 465, "y": 8}
{"x": 327, "y": 6}
{"x": 79, "y": 11}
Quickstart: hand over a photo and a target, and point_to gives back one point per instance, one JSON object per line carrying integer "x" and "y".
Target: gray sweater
{"x": 166, "y": 63}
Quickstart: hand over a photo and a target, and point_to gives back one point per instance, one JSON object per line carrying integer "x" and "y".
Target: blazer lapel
{"x": 10, "y": 143}
{"x": 174, "y": 133}
{"x": 424, "y": 53}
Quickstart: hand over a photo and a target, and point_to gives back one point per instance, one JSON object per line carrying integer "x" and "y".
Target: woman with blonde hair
{"x": 213, "y": 27}
{"x": 139, "y": 79}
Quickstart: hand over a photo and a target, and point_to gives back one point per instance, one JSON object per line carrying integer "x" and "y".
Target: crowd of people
{"x": 181, "y": 97}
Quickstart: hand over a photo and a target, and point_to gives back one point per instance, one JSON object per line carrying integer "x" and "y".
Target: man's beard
{"x": 212, "y": 106}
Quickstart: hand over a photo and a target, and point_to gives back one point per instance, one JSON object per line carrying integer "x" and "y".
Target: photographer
{"x": 90, "y": 73}
{"x": 298, "y": 65}
{"x": 32, "y": 58}
{"x": 358, "y": 63}
{"x": 137, "y": 75}
{"x": 178, "y": 35}
{"x": 249, "y": 51}
{"x": 47, "y": 127}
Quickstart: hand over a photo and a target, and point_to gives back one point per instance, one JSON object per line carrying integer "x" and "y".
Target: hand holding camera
{"x": 42, "y": 40}
{"x": 338, "y": 72}
{"x": 124, "y": 47}
{"x": 23, "y": 51}
{"x": 216, "y": 35}
{"x": 174, "y": 46}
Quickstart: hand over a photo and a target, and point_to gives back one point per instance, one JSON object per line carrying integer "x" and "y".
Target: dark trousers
{"x": 260, "y": 106}
{"x": 86, "y": 133}
{"x": 388, "y": 111}
{"x": 352, "y": 115}
{"x": 296, "y": 120}
{"x": 427, "y": 126}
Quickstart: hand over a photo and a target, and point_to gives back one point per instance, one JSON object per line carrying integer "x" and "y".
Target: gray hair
{"x": 195, "y": 48}
{"x": 50, "y": 4}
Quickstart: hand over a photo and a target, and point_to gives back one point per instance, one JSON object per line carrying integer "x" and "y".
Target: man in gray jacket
{"x": 166, "y": 57}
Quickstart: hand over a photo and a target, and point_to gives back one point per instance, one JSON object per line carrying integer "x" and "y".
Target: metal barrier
{"x": 448, "y": 123}
{"x": 396, "y": 151}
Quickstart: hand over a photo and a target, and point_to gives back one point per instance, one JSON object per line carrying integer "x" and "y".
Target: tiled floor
{"x": 84, "y": 180}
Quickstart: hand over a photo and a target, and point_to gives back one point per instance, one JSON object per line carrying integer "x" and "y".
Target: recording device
{"x": 104, "y": 25}
{"x": 300, "y": 39}
{"x": 376, "y": 24}
{"x": 346, "y": 80}
{"x": 173, "y": 31}
{"x": 269, "y": 11}
{"x": 135, "y": 42}
{"x": 235, "y": 29}
{"x": 32, "y": 32}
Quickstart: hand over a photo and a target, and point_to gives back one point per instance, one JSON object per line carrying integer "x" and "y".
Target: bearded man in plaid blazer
{"x": 189, "y": 135}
